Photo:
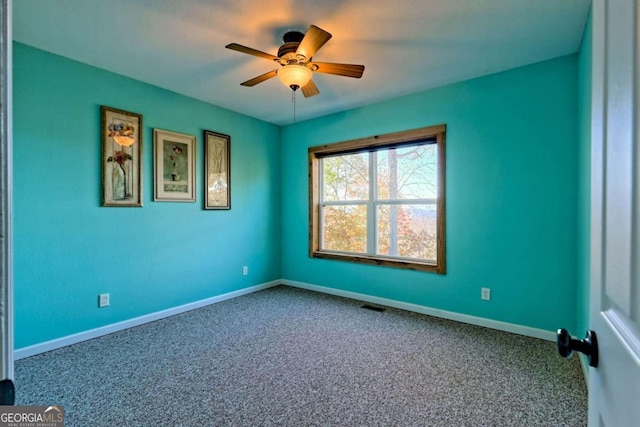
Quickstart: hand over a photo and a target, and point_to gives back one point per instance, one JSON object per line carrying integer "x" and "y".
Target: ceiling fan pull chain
{"x": 293, "y": 99}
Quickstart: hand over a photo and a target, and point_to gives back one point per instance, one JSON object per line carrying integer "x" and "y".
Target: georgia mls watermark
{"x": 31, "y": 416}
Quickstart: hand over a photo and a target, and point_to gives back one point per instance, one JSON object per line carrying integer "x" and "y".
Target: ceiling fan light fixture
{"x": 294, "y": 76}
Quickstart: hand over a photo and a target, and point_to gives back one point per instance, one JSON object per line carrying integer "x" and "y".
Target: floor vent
{"x": 374, "y": 308}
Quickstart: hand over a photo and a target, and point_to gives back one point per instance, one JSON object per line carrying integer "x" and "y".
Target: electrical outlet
{"x": 245, "y": 270}
{"x": 486, "y": 294}
{"x": 103, "y": 300}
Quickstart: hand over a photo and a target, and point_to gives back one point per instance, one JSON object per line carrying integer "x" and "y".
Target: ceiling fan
{"x": 295, "y": 58}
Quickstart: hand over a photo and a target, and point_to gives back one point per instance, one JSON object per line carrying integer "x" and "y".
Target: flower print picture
{"x": 121, "y": 158}
{"x": 175, "y": 166}
{"x": 120, "y": 188}
{"x": 174, "y": 161}
{"x": 217, "y": 164}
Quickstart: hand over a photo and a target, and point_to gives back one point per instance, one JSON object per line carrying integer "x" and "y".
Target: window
{"x": 380, "y": 200}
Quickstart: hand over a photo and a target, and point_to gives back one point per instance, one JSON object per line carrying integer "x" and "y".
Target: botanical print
{"x": 217, "y": 179}
{"x": 122, "y": 133}
{"x": 176, "y": 168}
{"x": 121, "y": 156}
{"x": 217, "y": 160}
{"x": 120, "y": 186}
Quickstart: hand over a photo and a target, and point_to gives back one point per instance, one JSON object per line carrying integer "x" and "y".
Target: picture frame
{"x": 121, "y": 140}
{"x": 175, "y": 166}
{"x": 217, "y": 171}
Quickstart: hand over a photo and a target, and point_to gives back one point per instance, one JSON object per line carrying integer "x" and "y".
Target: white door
{"x": 614, "y": 386}
{"x": 6, "y": 298}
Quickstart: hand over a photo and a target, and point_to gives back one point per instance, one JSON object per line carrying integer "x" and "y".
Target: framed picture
{"x": 121, "y": 135}
{"x": 217, "y": 170}
{"x": 175, "y": 166}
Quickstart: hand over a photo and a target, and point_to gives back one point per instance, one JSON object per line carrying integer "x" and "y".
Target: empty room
{"x": 340, "y": 213}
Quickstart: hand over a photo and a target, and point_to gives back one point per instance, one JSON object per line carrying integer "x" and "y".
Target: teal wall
{"x": 513, "y": 179}
{"x": 512, "y": 168}
{"x": 68, "y": 249}
{"x": 584, "y": 178}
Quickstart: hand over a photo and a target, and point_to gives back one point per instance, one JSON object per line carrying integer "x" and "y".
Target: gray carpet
{"x": 290, "y": 357}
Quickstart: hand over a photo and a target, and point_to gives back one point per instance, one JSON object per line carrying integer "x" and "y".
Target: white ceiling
{"x": 406, "y": 45}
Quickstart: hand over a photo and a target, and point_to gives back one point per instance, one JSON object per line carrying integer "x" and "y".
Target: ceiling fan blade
{"x": 347, "y": 70}
{"x": 310, "y": 89}
{"x": 254, "y": 81}
{"x": 250, "y": 51}
{"x": 313, "y": 40}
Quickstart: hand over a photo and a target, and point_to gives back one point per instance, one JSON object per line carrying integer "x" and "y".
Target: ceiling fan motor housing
{"x": 293, "y": 36}
{"x": 292, "y": 40}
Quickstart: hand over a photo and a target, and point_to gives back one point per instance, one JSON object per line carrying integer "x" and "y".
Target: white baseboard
{"x": 21, "y": 353}
{"x": 479, "y": 321}
{"x": 32, "y": 350}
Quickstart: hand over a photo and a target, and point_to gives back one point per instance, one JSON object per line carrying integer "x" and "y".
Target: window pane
{"x": 345, "y": 228}
{"x": 346, "y": 177}
{"x": 407, "y": 231}
{"x": 408, "y": 173}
